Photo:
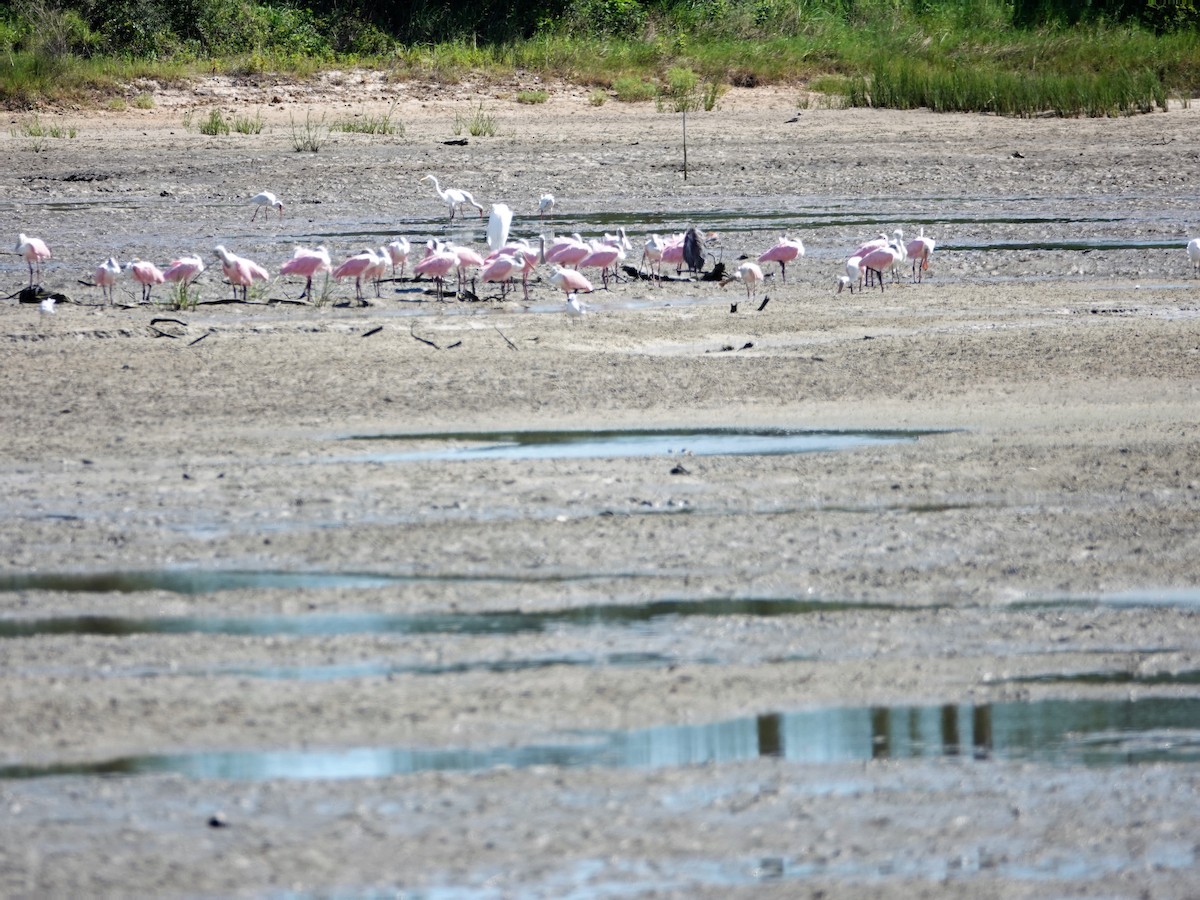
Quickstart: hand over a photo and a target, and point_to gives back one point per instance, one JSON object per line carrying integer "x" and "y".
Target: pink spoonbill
{"x": 240, "y": 271}
{"x": 568, "y": 281}
{"x": 437, "y": 264}
{"x": 34, "y": 251}
{"x": 147, "y": 274}
{"x": 785, "y": 251}
{"x": 106, "y": 276}
{"x": 307, "y": 263}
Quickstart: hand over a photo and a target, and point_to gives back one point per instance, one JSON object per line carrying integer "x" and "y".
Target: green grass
{"x": 367, "y": 123}
{"x": 247, "y": 125}
{"x": 1060, "y": 57}
{"x": 532, "y": 97}
{"x": 309, "y": 137}
{"x": 633, "y": 89}
{"x": 215, "y": 124}
{"x": 478, "y": 124}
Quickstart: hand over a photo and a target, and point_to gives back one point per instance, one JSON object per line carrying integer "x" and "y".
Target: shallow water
{"x": 510, "y": 445}
{"x": 1058, "y": 732}
{"x": 505, "y": 622}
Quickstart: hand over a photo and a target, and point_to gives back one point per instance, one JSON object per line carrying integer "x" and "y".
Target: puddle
{"x": 525, "y": 445}
{"x": 1113, "y": 677}
{"x": 1101, "y": 733}
{"x": 200, "y": 581}
{"x": 505, "y": 622}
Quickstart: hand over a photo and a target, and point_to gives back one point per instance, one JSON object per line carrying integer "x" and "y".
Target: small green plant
{"x": 39, "y": 133}
{"x": 309, "y": 137}
{"x": 144, "y": 101}
{"x": 710, "y": 93}
{"x": 215, "y": 124}
{"x": 117, "y": 104}
{"x": 631, "y": 89}
{"x": 366, "y": 123}
{"x": 182, "y": 296}
{"x": 598, "y": 97}
{"x": 479, "y": 124}
{"x": 187, "y": 121}
{"x": 532, "y": 97}
{"x": 246, "y": 125}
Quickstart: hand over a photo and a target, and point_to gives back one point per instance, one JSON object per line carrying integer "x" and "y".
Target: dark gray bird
{"x": 693, "y": 249}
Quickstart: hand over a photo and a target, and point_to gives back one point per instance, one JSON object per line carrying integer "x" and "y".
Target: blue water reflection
{"x": 1060, "y": 732}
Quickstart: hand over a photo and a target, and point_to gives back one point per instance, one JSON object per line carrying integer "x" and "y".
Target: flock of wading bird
{"x": 508, "y": 261}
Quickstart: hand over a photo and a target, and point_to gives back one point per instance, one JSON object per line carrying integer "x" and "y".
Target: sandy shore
{"x": 1043, "y": 379}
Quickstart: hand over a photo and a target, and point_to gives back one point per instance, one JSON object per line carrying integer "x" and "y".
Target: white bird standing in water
{"x": 265, "y": 200}
{"x": 545, "y": 205}
{"x": 499, "y": 223}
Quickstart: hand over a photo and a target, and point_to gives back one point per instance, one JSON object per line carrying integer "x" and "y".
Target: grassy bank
{"x": 941, "y": 54}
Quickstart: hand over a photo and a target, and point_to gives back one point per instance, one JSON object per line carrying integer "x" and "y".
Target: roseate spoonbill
{"x": 567, "y": 251}
{"x": 437, "y": 264}
{"x": 184, "y": 270}
{"x": 265, "y": 200}
{"x": 307, "y": 263}
{"x": 784, "y": 251}
{"x": 881, "y": 259}
{"x": 545, "y": 205}
{"x": 568, "y": 280}
{"x": 575, "y": 306}
{"x": 454, "y": 198}
{"x": 1193, "y": 252}
{"x": 240, "y": 271}
{"x": 466, "y": 259}
{"x": 601, "y": 256}
{"x": 33, "y": 251}
{"x": 498, "y": 224}
{"x": 866, "y": 247}
{"x": 147, "y": 274}
{"x": 653, "y": 252}
{"x": 106, "y": 277}
{"x": 398, "y": 251}
{"x": 620, "y": 239}
{"x": 750, "y": 274}
{"x": 503, "y": 266}
{"x": 361, "y": 265}
{"x": 920, "y": 248}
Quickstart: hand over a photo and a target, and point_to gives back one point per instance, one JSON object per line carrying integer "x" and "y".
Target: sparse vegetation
{"x": 598, "y": 98}
{"x": 248, "y": 125}
{"x": 144, "y": 101}
{"x": 309, "y": 137}
{"x": 632, "y": 89}
{"x": 215, "y": 124}
{"x": 478, "y": 124}
{"x": 532, "y": 96}
{"x": 368, "y": 123}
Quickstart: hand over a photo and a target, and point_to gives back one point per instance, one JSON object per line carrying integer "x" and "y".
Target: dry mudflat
{"x": 957, "y": 659}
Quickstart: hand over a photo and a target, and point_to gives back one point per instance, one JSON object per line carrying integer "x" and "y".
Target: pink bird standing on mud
{"x": 366, "y": 264}
{"x": 106, "y": 276}
{"x": 436, "y": 264}
{"x": 240, "y": 271}
{"x": 307, "y": 263}
{"x": 569, "y": 281}
{"x": 783, "y": 253}
{"x": 147, "y": 274}
{"x": 33, "y": 251}
{"x": 184, "y": 270}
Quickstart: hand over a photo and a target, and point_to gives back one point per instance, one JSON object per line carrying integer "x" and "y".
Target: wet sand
{"x": 1048, "y": 366}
